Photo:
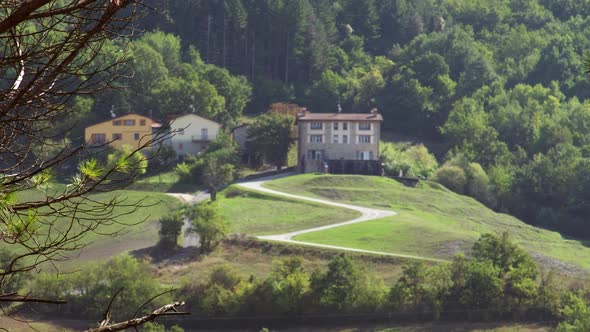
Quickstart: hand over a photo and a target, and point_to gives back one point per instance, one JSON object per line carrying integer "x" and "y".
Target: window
{"x": 335, "y": 139}
{"x": 98, "y": 139}
{"x": 136, "y": 136}
{"x": 181, "y": 131}
{"x": 344, "y": 125}
{"x": 129, "y": 123}
{"x": 364, "y": 126}
{"x": 117, "y": 137}
{"x": 204, "y": 134}
{"x": 314, "y": 154}
{"x": 315, "y": 138}
{"x": 116, "y": 122}
{"x": 345, "y": 139}
{"x": 315, "y": 126}
{"x": 335, "y": 125}
{"x": 142, "y": 122}
{"x": 364, "y": 139}
{"x": 364, "y": 155}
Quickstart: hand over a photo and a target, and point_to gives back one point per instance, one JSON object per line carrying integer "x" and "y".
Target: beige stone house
{"x": 339, "y": 142}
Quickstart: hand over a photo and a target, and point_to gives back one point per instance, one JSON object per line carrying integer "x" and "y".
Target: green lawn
{"x": 254, "y": 213}
{"x": 165, "y": 182}
{"x": 432, "y": 221}
{"x": 133, "y": 229}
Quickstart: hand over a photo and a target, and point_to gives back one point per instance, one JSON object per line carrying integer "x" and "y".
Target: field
{"x": 133, "y": 229}
{"x": 253, "y": 258}
{"x": 254, "y": 213}
{"x": 432, "y": 221}
{"x": 164, "y": 182}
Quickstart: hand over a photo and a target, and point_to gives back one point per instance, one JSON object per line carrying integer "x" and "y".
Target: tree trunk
{"x": 253, "y": 55}
{"x": 287, "y": 60}
{"x": 209, "y": 19}
{"x": 213, "y": 194}
{"x": 224, "y": 41}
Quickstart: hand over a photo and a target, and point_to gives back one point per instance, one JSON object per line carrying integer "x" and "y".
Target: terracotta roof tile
{"x": 340, "y": 116}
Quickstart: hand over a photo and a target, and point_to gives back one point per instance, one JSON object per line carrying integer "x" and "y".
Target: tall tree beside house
{"x": 272, "y": 135}
{"x": 218, "y": 170}
{"x": 208, "y": 223}
{"x": 218, "y": 165}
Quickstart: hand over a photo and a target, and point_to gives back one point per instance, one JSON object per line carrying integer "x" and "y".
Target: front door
{"x": 315, "y": 154}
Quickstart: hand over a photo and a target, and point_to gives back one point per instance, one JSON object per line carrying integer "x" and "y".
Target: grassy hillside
{"x": 134, "y": 230}
{"x": 254, "y": 213}
{"x": 432, "y": 221}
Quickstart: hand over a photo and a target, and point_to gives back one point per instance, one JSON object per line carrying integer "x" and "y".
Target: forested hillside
{"x": 499, "y": 83}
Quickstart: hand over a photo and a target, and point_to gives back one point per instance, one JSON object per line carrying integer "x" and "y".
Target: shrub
{"x": 11, "y": 283}
{"x": 183, "y": 170}
{"x": 575, "y": 314}
{"x": 414, "y": 161}
{"x": 190, "y": 170}
{"x": 89, "y": 292}
{"x": 423, "y": 162}
{"x": 477, "y": 183}
{"x": 155, "y": 327}
{"x": 221, "y": 294}
{"x": 170, "y": 230}
{"x": 208, "y": 223}
{"x": 345, "y": 287}
{"x": 452, "y": 177}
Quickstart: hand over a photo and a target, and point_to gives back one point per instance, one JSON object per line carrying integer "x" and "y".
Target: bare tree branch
{"x": 167, "y": 310}
{"x": 16, "y": 298}
{"x": 107, "y": 314}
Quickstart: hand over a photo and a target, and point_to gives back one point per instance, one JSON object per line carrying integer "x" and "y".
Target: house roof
{"x": 124, "y": 116}
{"x": 340, "y": 117}
{"x": 173, "y": 117}
{"x": 240, "y": 126}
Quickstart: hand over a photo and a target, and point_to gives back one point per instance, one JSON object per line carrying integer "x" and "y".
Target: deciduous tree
{"x": 272, "y": 136}
{"x": 208, "y": 223}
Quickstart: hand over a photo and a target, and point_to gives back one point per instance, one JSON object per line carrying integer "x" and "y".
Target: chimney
{"x": 302, "y": 112}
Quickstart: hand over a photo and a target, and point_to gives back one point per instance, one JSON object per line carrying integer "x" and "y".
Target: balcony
{"x": 200, "y": 138}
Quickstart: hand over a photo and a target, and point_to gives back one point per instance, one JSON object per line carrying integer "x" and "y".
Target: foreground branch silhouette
{"x": 52, "y": 53}
{"x": 167, "y": 310}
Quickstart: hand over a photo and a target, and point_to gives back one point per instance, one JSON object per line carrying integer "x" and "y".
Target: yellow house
{"x": 131, "y": 129}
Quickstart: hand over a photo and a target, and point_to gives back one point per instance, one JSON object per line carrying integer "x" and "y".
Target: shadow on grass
{"x": 178, "y": 255}
{"x": 177, "y": 187}
{"x": 582, "y": 241}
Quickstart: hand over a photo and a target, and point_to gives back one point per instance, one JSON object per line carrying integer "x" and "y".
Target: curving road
{"x": 366, "y": 215}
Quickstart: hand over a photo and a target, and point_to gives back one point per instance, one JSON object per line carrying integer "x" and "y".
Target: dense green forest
{"x": 499, "y": 84}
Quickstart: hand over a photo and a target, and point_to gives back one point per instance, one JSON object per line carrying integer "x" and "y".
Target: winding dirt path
{"x": 367, "y": 214}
